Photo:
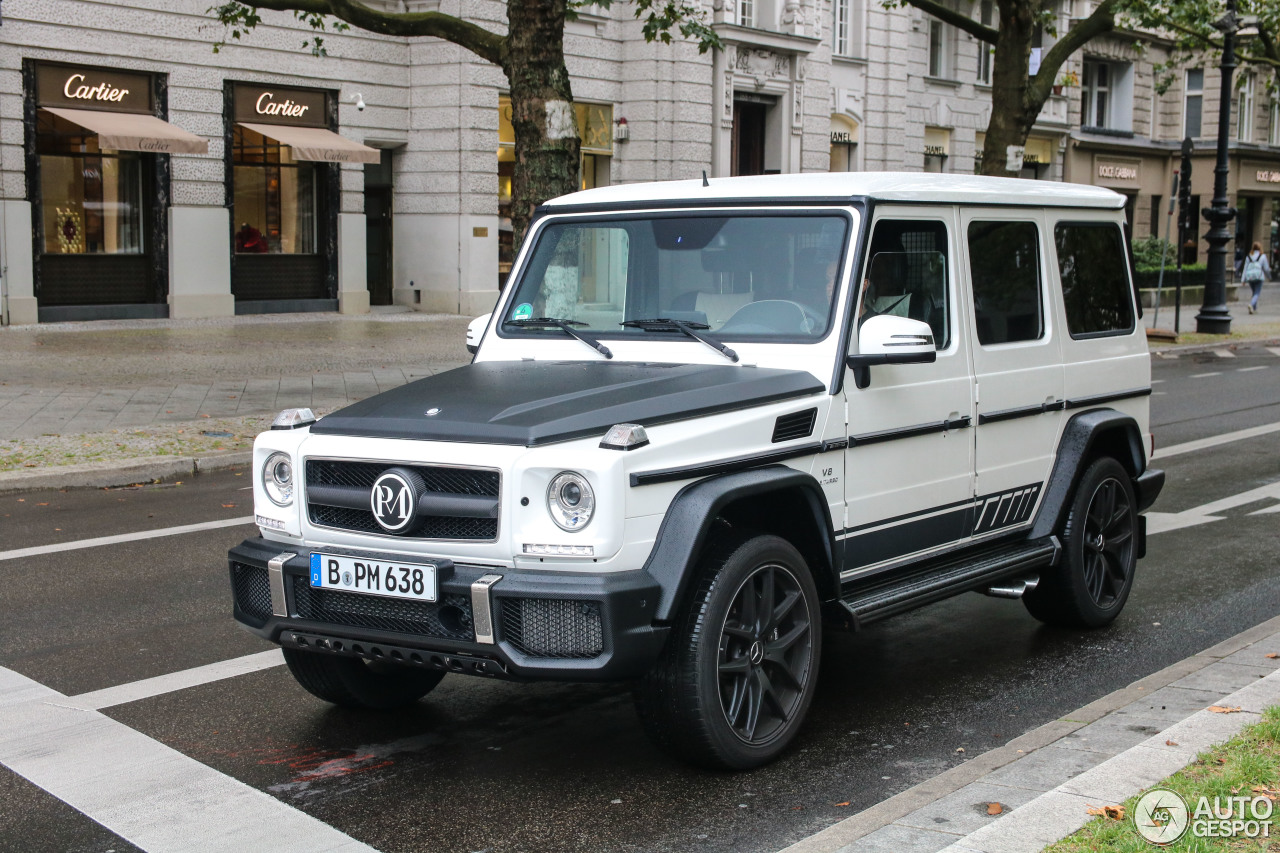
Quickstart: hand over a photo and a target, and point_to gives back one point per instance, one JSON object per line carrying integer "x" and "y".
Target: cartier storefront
{"x": 97, "y": 173}
{"x": 282, "y": 162}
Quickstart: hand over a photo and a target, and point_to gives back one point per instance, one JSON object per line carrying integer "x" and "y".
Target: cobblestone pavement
{"x": 73, "y": 378}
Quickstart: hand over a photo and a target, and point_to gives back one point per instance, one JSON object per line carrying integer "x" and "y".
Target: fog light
{"x": 560, "y": 550}
{"x": 269, "y": 523}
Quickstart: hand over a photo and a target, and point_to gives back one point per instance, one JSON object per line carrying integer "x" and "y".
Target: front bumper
{"x": 545, "y": 625}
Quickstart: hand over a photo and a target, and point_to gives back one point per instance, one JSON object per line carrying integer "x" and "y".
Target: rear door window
{"x": 1095, "y": 279}
{"x": 1004, "y": 258}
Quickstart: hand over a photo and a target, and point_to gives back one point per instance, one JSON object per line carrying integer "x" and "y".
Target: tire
{"x": 356, "y": 683}
{"x": 1090, "y": 585}
{"x": 733, "y": 686}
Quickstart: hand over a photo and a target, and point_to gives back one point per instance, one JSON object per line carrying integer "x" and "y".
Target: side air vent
{"x": 795, "y": 425}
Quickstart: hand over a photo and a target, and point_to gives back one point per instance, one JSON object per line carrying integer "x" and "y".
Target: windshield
{"x": 737, "y": 276}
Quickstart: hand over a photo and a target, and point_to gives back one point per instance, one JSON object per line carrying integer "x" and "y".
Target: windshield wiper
{"x": 565, "y": 326}
{"x": 662, "y": 324}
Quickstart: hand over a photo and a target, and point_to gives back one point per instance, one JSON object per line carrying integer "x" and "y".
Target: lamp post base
{"x": 1214, "y": 321}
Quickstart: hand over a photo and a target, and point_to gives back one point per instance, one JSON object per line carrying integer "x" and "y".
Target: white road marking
{"x": 161, "y": 684}
{"x": 1156, "y": 381}
{"x": 1163, "y": 522}
{"x": 1224, "y": 353}
{"x": 1274, "y": 350}
{"x": 149, "y": 794}
{"x": 1215, "y": 440}
{"x": 1247, "y": 369}
{"x": 1205, "y": 375}
{"x": 123, "y": 537}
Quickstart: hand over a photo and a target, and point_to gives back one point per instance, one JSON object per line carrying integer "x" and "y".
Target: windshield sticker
{"x": 523, "y": 311}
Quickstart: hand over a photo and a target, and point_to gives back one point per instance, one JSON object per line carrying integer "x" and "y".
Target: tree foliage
{"x": 1194, "y": 27}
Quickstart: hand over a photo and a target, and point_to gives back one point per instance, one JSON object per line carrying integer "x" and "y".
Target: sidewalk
{"x": 1265, "y": 323}
{"x": 1098, "y": 755}
{"x": 141, "y": 395}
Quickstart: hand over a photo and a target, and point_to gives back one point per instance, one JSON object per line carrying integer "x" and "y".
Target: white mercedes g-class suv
{"x": 708, "y": 420}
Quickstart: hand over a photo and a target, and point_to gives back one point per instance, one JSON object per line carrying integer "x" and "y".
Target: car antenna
{"x": 705, "y": 182}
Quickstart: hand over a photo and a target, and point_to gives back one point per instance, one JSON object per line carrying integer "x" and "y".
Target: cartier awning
{"x": 316, "y": 143}
{"x": 134, "y": 131}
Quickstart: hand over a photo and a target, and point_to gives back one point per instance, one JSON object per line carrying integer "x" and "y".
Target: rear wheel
{"x": 1090, "y": 585}
{"x": 356, "y": 683}
{"x": 737, "y": 676}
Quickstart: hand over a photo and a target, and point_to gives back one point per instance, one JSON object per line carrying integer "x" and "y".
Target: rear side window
{"x": 1004, "y": 258}
{"x": 1095, "y": 281}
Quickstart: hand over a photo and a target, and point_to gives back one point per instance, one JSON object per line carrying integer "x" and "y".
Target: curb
{"x": 126, "y": 472}
{"x": 884, "y": 813}
{"x": 1179, "y": 349}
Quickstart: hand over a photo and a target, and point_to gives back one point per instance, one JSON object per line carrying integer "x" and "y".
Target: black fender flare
{"x": 688, "y": 523}
{"x": 1083, "y": 433}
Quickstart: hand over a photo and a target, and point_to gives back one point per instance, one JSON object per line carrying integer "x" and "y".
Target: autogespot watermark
{"x": 1162, "y": 817}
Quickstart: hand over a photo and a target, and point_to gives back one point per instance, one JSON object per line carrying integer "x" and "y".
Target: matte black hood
{"x": 530, "y": 403}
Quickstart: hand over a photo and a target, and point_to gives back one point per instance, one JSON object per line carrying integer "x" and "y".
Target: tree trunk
{"x": 1010, "y": 85}
{"x": 542, "y": 114}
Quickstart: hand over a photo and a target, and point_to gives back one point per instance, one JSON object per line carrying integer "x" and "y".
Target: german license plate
{"x": 374, "y": 577}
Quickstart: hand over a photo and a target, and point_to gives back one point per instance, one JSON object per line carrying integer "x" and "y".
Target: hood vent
{"x": 795, "y": 425}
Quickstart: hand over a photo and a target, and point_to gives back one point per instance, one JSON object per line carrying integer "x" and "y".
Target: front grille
{"x": 464, "y": 482}
{"x": 553, "y": 627}
{"x": 252, "y": 591}
{"x": 449, "y": 618}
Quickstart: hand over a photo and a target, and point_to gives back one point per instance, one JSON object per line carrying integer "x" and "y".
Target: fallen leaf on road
{"x": 1171, "y": 743}
{"x": 228, "y": 506}
{"x": 1113, "y": 812}
{"x": 845, "y": 803}
{"x": 959, "y": 749}
{"x": 994, "y": 808}
{"x": 1223, "y": 709}
{"x": 43, "y": 504}
{"x": 1272, "y": 656}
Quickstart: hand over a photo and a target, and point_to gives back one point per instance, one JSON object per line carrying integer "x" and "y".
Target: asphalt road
{"x": 482, "y": 765}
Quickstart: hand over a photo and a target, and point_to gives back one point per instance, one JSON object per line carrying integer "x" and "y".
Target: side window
{"x": 1095, "y": 280}
{"x": 907, "y": 275}
{"x": 1004, "y": 258}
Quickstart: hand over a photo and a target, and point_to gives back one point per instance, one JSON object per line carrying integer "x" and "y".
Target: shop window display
{"x": 274, "y": 197}
{"x": 90, "y": 198}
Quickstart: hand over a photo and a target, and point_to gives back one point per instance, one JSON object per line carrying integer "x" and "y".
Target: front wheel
{"x": 357, "y": 683}
{"x": 737, "y": 676}
{"x": 1089, "y": 586}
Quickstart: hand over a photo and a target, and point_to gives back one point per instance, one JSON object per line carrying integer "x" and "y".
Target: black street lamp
{"x": 1214, "y": 318}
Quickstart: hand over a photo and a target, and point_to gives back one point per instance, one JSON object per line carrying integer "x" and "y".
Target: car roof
{"x": 828, "y": 187}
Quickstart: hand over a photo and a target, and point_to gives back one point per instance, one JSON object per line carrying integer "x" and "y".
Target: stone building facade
{"x": 262, "y": 178}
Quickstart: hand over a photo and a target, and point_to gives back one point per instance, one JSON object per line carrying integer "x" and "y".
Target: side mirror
{"x": 475, "y": 331}
{"x": 887, "y": 339}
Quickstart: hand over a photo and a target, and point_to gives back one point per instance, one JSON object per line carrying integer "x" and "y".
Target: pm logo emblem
{"x": 394, "y": 502}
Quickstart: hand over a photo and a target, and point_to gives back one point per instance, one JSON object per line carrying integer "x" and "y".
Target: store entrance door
{"x": 377, "y": 225}
{"x": 748, "y": 137}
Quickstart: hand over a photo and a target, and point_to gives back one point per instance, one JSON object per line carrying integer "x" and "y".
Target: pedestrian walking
{"x": 1256, "y": 270}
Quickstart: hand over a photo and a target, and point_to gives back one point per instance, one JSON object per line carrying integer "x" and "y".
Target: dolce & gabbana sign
{"x": 1112, "y": 171}
{"x": 1260, "y": 175}
{"x": 280, "y": 105}
{"x": 84, "y": 88}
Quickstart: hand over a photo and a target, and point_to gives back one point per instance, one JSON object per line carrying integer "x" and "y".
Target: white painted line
{"x": 1214, "y": 441}
{"x": 1274, "y": 350}
{"x": 1224, "y": 353}
{"x": 1205, "y": 375}
{"x": 123, "y": 537}
{"x": 149, "y": 794}
{"x": 161, "y": 684}
{"x": 1156, "y": 381}
{"x": 1247, "y": 369}
{"x": 1163, "y": 522}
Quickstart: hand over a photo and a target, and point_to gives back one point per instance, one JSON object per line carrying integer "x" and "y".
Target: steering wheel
{"x": 774, "y": 316}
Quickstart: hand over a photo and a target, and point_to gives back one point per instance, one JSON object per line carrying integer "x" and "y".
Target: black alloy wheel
{"x": 1108, "y": 541}
{"x": 735, "y": 680}
{"x": 766, "y": 651}
{"x": 1091, "y": 582}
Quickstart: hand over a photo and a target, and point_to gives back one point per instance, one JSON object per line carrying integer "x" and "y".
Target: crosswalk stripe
{"x": 1224, "y": 353}
{"x": 151, "y": 795}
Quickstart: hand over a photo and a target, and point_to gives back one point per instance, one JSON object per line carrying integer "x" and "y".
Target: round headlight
{"x": 277, "y": 479}
{"x": 570, "y": 501}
